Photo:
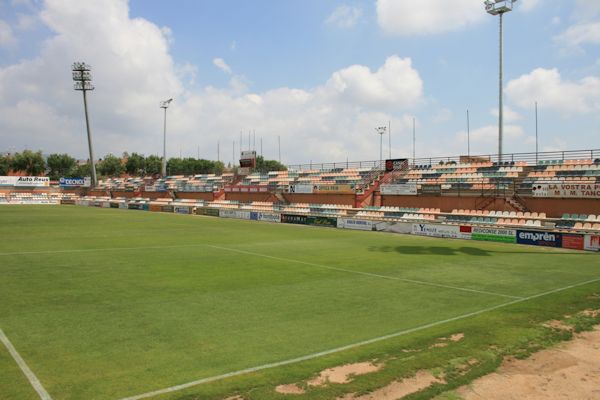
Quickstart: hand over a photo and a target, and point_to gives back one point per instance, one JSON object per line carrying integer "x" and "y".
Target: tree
{"x": 263, "y": 166}
{"x": 136, "y": 164}
{"x": 5, "y": 162}
{"x": 60, "y": 165}
{"x": 110, "y": 166}
{"x": 29, "y": 162}
{"x": 153, "y": 165}
{"x": 81, "y": 170}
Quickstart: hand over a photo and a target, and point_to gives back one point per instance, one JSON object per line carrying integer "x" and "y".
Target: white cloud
{"x": 580, "y": 34}
{"x": 222, "y": 65}
{"x": 548, "y": 88}
{"x": 489, "y": 134}
{"x": 344, "y": 16}
{"x": 510, "y": 115}
{"x": 424, "y": 17}
{"x": 7, "y": 38}
{"x": 133, "y": 70}
{"x": 527, "y": 5}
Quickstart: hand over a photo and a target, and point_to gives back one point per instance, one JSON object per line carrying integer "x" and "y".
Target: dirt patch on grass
{"x": 291, "y": 388}
{"x": 457, "y": 337}
{"x": 556, "y": 324}
{"x": 570, "y": 371}
{"x": 443, "y": 342}
{"x": 591, "y": 313}
{"x": 344, "y": 373}
{"x": 399, "y": 389}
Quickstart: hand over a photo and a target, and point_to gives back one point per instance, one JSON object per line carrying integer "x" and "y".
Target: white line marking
{"x": 265, "y": 256}
{"x": 35, "y": 382}
{"x": 347, "y": 347}
{"x": 365, "y": 273}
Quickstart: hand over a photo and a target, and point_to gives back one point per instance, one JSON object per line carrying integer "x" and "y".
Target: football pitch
{"x": 115, "y": 304}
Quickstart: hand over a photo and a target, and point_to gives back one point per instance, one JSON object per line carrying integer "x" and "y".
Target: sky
{"x": 320, "y": 76}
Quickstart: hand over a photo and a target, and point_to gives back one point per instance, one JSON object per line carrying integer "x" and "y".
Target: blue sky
{"x": 319, "y": 74}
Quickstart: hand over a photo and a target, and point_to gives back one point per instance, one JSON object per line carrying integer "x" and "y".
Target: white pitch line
{"x": 348, "y": 347}
{"x": 418, "y": 282}
{"x": 175, "y": 246}
{"x": 35, "y": 382}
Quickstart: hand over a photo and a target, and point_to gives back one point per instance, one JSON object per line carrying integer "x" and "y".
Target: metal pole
{"x": 536, "y": 133}
{"x": 414, "y": 141}
{"x": 164, "y": 160}
{"x": 500, "y": 95}
{"x": 279, "y": 147}
{"x": 233, "y": 154}
{"x": 218, "y": 151}
{"x": 89, "y": 135}
{"x": 468, "y": 135}
{"x": 390, "y": 138}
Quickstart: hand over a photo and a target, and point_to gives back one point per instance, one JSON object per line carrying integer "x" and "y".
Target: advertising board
{"x": 407, "y": 189}
{"x": 330, "y": 222}
{"x": 182, "y": 209}
{"x": 591, "y": 242}
{"x": 246, "y": 189}
{"x": 394, "y": 227}
{"x": 567, "y": 190}
{"x": 8, "y": 180}
{"x": 301, "y": 189}
{"x": 269, "y": 217}
{"x": 239, "y": 214}
{"x": 332, "y": 189}
{"x": 167, "y": 209}
{"x": 445, "y": 231}
{"x": 431, "y": 189}
{"x": 32, "y": 181}
{"x": 75, "y": 182}
{"x": 539, "y": 238}
{"x": 572, "y": 241}
{"x": 358, "y": 224}
{"x": 212, "y": 212}
{"x": 123, "y": 206}
{"x": 494, "y": 234}
{"x": 114, "y": 204}
{"x": 67, "y": 201}
{"x": 396, "y": 164}
{"x": 293, "y": 219}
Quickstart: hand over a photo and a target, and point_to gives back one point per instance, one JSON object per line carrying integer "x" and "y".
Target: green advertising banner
{"x": 494, "y": 235}
{"x": 322, "y": 221}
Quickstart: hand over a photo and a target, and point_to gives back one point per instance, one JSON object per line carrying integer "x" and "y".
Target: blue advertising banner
{"x": 75, "y": 182}
{"x": 253, "y": 216}
{"x": 539, "y": 238}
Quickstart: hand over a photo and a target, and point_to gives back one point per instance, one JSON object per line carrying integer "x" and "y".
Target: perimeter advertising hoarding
{"x": 212, "y": 212}
{"x": 358, "y": 224}
{"x": 303, "y": 189}
{"x": 239, "y": 214}
{"x": 182, "y": 209}
{"x": 572, "y": 241}
{"x": 75, "y": 182}
{"x": 445, "y": 231}
{"x": 114, "y": 204}
{"x": 408, "y": 189}
{"x": 568, "y": 190}
{"x": 25, "y": 181}
{"x": 591, "y": 242}
{"x": 539, "y": 238}
{"x": 67, "y": 201}
{"x": 167, "y": 209}
{"x": 494, "y": 235}
{"x": 123, "y": 206}
{"x": 293, "y": 219}
{"x": 333, "y": 189}
{"x": 330, "y": 222}
{"x": 269, "y": 217}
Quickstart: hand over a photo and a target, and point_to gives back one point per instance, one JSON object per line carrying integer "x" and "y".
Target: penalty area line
{"x": 33, "y": 380}
{"x": 349, "y": 346}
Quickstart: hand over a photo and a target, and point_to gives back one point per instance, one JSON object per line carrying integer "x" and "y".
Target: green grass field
{"x": 107, "y": 303}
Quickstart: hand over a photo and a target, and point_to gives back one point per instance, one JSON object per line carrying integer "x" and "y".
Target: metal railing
{"x": 529, "y": 158}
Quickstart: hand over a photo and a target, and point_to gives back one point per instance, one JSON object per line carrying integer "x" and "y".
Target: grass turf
{"x": 105, "y": 303}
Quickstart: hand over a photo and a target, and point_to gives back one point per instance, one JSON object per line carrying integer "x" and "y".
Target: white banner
{"x": 25, "y": 181}
{"x": 239, "y": 214}
{"x": 446, "y": 231}
{"x": 269, "y": 217}
{"x": 301, "y": 189}
{"x": 569, "y": 190}
{"x": 408, "y": 189}
{"x": 591, "y": 242}
{"x": 358, "y": 224}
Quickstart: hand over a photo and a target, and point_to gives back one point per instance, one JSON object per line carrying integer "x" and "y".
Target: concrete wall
{"x": 445, "y": 204}
{"x": 320, "y": 198}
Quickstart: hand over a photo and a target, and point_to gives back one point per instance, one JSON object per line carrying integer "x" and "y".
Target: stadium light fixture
{"x": 500, "y": 7}
{"x": 82, "y": 77}
{"x": 380, "y": 130}
{"x": 164, "y": 105}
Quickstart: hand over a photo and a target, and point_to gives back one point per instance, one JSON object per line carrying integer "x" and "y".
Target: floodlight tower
{"x": 83, "y": 81}
{"x": 164, "y": 105}
{"x": 381, "y": 131}
{"x": 500, "y": 7}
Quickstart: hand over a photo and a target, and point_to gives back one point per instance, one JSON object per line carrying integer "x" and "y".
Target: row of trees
{"x": 59, "y": 165}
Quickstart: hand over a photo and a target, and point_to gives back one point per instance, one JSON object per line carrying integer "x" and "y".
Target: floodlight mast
{"x": 381, "y": 131}
{"x": 500, "y": 7}
{"x": 83, "y": 81}
{"x": 164, "y": 105}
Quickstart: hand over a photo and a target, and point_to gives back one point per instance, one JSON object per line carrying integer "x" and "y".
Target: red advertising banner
{"x": 574, "y": 242}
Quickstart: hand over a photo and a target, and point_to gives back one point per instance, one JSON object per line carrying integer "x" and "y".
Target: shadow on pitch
{"x": 433, "y": 250}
